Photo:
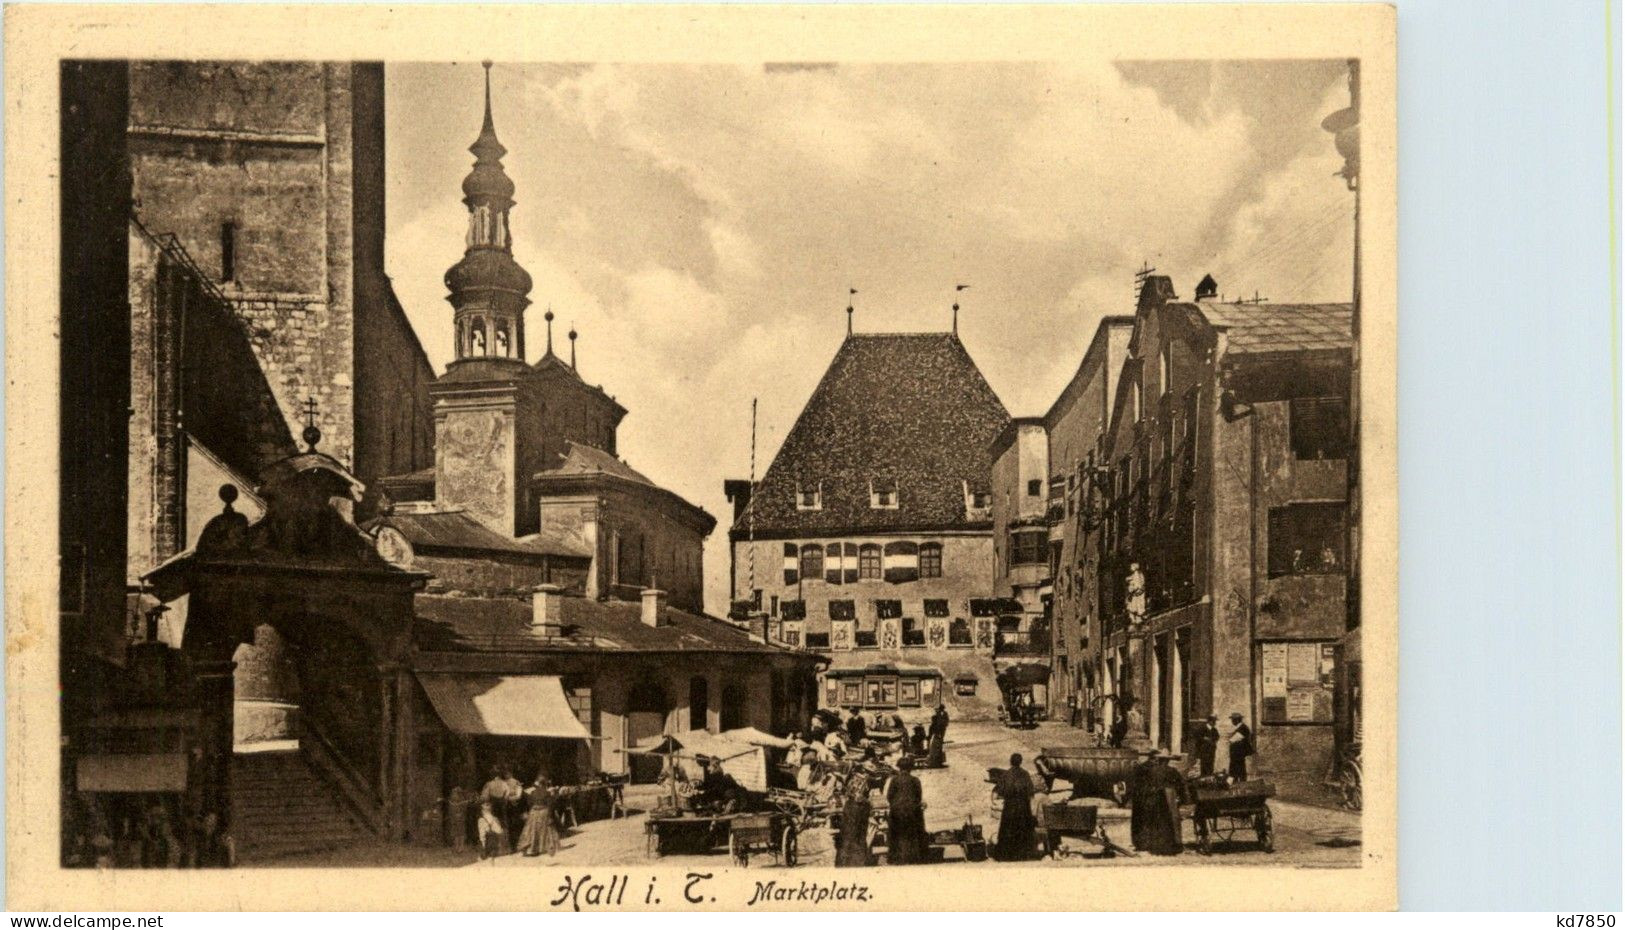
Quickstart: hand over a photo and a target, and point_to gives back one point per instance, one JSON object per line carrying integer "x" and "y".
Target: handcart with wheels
{"x": 1224, "y": 813}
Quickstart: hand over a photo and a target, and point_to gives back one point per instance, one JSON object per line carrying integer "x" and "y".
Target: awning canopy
{"x": 502, "y": 705}
{"x": 132, "y": 772}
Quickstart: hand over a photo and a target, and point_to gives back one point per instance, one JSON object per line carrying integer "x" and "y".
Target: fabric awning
{"x": 503, "y": 705}
{"x": 131, "y": 772}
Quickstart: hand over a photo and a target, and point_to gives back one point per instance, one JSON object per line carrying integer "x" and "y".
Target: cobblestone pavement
{"x": 1305, "y": 835}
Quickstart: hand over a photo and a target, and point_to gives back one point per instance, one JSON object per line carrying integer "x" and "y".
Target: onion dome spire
{"x": 487, "y": 288}
{"x": 487, "y": 184}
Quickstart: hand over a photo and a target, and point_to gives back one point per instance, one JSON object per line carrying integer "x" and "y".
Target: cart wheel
{"x": 787, "y": 846}
{"x": 1266, "y": 830}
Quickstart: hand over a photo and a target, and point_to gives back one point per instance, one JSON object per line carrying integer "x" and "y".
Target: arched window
{"x": 733, "y": 707}
{"x": 931, "y": 560}
{"x": 502, "y": 339}
{"x": 812, "y": 562}
{"x": 869, "y": 562}
{"x": 476, "y": 338}
{"x": 699, "y": 702}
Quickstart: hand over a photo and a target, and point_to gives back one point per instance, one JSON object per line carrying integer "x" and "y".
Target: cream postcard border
{"x": 38, "y": 37}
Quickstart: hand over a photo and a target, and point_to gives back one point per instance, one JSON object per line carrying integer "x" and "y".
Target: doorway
{"x": 646, "y": 708}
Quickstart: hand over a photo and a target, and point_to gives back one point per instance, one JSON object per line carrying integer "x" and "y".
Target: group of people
{"x": 143, "y": 831}
{"x": 1238, "y": 742}
{"x": 515, "y": 817}
{"x": 906, "y": 840}
{"x": 826, "y": 743}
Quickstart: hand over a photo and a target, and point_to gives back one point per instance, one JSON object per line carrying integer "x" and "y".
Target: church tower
{"x": 486, "y": 445}
{"x": 487, "y": 288}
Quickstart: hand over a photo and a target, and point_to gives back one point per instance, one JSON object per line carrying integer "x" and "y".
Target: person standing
{"x": 1017, "y": 825}
{"x": 854, "y": 850}
{"x": 541, "y": 833}
{"x": 1241, "y": 746}
{"x": 1157, "y": 791}
{"x": 1207, "y": 745}
{"x": 856, "y": 729}
{"x": 936, "y": 758}
{"x": 493, "y": 804}
{"x": 905, "y": 826}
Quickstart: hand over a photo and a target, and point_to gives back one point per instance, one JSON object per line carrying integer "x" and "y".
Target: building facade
{"x": 1222, "y": 521}
{"x": 869, "y": 538}
{"x": 223, "y": 287}
{"x": 1023, "y": 572}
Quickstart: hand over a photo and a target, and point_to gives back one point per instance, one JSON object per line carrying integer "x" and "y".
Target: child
{"x": 491, "y": 832}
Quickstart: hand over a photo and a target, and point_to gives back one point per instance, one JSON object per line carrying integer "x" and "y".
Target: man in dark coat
{"x": 718, "y": 790}
{"x": 1157, "y": 790}
{"x": 856, "y": 729}
{"x": 905, "y": 821}
{"x": 1241, "y": 746}
{"x": 1016, "y": 824}
{"x": 939, "y": 734}
{"x": 1207, "y": 745}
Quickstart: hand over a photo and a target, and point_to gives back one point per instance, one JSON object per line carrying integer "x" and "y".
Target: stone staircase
{"x": 280, "y": 807}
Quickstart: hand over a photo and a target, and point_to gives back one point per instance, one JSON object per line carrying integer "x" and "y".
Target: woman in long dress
{"x": 1017, "y": 826}
{"x": 540, "y": 834}
{"x": 906, "y": 841}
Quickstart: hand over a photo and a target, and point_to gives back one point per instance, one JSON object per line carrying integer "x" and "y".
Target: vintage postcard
{"x": 701, "y": 458}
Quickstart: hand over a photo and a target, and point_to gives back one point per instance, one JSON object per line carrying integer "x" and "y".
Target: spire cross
{"x": 548, "y": 316}
{"x": 310, "y": 411}
{"x": 850, "y": 293}
{"x": 572, "y": 345}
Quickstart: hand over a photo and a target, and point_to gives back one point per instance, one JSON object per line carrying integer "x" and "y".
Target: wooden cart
{"x": 772, "y": 832}
{"x": 1075, "y": 821}
{"x": 1223, "y": 813}
{"x": 740, "y": 833}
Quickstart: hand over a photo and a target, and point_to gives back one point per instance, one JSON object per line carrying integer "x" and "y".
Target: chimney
{"x": 738, "y": 491}
{"x": 547, "y": 610}
{"x": 1207, "y": 288}
{"x": 654, "y": 607}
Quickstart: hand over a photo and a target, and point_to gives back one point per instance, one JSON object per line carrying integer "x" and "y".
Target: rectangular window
{"x": 869, "y": 562}
{"x": 843, "y": 610}
{"x": 812, "y": 562}
{"x": 851, "y": 692}
{"x": 792, "y": 610}
{"x": 936, "y": 607}
{"x": 886, "y": 609}
{"x": 959, "y": 632}
{"x": 965, "y": 687}
{"x": 1035, "y": 487}
{"x": 228, "y": 251}
{"x": 810, "y": 497}
{"x": 913, "y": 633}
{"x": 817, "y": 640}
{"x": 930, "y": 561}
{"x": 1320, "y": 428}
{"x": 1028, "y": 547}
{"x": 908, "y": 693}
{"x": 867, "y": 639}
{"x": 792, "y": 574}
{"x": 1306, "y": 539}
{"x": 775, "y": 609}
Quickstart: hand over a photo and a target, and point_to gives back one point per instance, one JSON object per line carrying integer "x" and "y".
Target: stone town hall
{"x": 306, "y": 643}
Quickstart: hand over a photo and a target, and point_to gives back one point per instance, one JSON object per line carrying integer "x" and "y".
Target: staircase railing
{"x": 329, "y": 764}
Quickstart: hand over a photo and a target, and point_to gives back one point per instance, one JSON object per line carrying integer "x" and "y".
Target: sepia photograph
{"x": 752, "y": 466}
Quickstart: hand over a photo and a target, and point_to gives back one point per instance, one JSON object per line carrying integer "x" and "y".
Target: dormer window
{"x": 976, "y": 500}
{"x": 810, "y": 496}
{"x": 883, "y": 495}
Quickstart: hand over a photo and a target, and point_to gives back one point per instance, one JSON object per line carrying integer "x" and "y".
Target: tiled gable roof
{"x": 909, "y": 407}
{"x": 454, "y": 623}
{"x": 1265, "y": 327}
{"x": 457, "y": 530}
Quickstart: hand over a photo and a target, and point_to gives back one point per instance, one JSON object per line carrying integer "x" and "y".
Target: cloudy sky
{"x": 700, "y": 225}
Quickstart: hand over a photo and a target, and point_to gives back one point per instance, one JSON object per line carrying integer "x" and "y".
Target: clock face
{"x": 394, "y": 548}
